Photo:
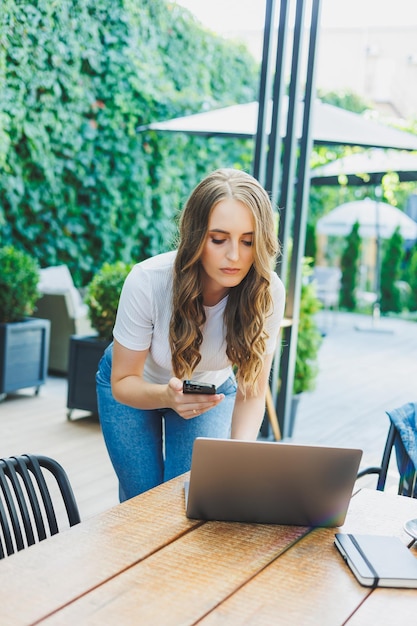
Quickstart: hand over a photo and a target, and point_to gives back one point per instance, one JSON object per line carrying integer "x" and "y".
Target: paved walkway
{"x": 365, "y": 369}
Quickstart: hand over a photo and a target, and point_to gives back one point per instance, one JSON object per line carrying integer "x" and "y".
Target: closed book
{"x": 378, "y": 560}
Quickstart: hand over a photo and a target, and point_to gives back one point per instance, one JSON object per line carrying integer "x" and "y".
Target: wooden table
{"x": 143, "y": 562}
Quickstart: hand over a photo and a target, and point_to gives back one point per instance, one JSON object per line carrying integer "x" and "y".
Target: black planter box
{"x": 84, "y": 356}
{"x": 24, "y": 349}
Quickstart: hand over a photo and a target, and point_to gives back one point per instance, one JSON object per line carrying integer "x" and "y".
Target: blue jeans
{"x": 148, "y": 447}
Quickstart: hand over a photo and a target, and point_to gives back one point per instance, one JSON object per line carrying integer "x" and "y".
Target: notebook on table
{"x": 270, "y": 482}
{"x": 378, "y": 560}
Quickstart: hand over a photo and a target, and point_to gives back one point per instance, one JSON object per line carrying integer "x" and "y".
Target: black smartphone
{"x": 190, "y": 386}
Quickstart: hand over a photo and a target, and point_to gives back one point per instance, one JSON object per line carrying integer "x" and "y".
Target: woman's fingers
{"x": 191, "y": 409}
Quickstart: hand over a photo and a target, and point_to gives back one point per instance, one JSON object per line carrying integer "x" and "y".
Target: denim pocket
{"x": 228, "y": 387}
{"x": 103, "y": 374}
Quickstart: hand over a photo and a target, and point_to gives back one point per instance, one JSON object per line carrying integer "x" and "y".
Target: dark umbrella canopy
{"x": 331, "y": 125}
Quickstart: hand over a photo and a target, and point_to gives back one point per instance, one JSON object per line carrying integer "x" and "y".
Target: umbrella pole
{"x": 376, "y": 309}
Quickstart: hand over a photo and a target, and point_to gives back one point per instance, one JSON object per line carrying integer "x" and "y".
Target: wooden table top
{"x": 144, "y": 562}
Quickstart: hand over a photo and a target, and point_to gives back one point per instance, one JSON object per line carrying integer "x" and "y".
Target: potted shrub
{"x": 308, "y": 343}
{"x": 102, "y": 299}
{"x": 24, "y": 341}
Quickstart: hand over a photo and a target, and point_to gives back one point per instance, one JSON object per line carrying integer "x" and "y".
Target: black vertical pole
{"x": 259, "y": 161}
{"x": 267, "y": 169}
{"x": 376, "y": 309}
{"x": 300, "y": 220}
{"x": 286, "y": 193}
{"x": 291, "y": 141}
{"x": 290, "y": 145}
{"x": 273, "y": 167}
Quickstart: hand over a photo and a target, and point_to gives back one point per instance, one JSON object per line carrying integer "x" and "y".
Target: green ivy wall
{"x": 78, "y": 184}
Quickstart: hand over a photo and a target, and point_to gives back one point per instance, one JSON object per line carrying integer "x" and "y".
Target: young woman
{"x": 212, "y": 307}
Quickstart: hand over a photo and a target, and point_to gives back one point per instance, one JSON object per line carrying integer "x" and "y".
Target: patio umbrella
{"x": 376, "y": 219}
{"x": 331, "y": 125}
{"x": 367, "y": 168}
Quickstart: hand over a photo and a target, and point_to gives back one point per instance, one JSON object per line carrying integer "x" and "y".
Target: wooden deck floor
{"x": 39, "y": 424}
{"x": 362, "y": 374}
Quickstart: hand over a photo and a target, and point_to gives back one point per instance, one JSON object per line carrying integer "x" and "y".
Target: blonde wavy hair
{"x": 248, "y": 304}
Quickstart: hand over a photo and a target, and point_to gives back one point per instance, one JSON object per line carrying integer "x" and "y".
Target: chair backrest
{"x": 57, "y": 279}
{"x": 27, "y": 509}
{"x": 407, "y": 485}
{"x": 328, "y": 282}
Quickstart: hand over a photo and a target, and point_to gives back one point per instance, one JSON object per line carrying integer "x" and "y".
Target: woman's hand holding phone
{"x": 193, "y": 398}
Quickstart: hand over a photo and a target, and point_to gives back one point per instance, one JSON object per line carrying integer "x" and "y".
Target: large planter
{"x": 84, "y": 356}
{"x": 24, "y": 349}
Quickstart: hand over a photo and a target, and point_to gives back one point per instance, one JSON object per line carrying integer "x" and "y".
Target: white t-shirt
{"x": 144, "y": 315}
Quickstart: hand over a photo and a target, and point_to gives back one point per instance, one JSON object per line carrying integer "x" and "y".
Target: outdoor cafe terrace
{"x": 366, "y": 368}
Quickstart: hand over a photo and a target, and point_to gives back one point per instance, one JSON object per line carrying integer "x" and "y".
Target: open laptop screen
{"x": 271, "y": 482}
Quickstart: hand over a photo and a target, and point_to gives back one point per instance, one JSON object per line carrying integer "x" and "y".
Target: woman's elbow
{"x": 117, "y": 389}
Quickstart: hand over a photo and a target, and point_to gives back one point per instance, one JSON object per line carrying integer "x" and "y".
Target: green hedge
{"x": 78, "y": 184}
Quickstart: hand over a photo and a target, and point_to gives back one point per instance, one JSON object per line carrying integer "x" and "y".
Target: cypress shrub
{"x": 412, "y": 280}
{"x": 349, "y": 266}
{"x": 391, "y": 273}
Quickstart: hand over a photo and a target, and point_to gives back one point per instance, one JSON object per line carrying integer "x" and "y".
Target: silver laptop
{"x": 270, "y": 482}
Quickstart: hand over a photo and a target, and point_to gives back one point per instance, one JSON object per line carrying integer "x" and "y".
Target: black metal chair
{"x": 28, "y": 513}
{"x": 407, "y": 485}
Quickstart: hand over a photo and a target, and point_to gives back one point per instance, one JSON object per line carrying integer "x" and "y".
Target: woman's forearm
{"x": 128, "y": 384}
{"x": 247, "y": 418}
{"x": 248, "y": 413}
{"x": 137, "y": 392}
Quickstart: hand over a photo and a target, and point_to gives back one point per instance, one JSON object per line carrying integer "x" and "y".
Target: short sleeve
{"x": 134, "y": 325}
